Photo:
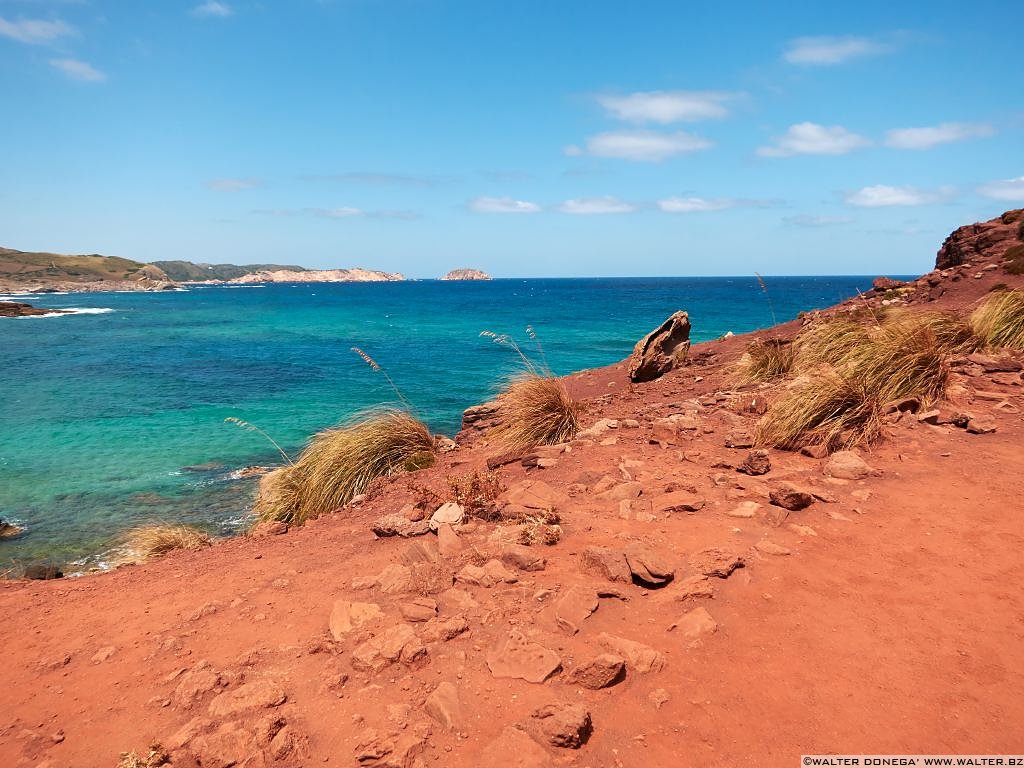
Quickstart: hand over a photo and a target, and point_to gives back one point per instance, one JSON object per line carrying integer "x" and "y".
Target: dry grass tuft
{"x": 157, "y": 757}
{"x": 340, "y": 463}
{"x": 830, "y": 342}
{"x": 476, "y": 492}
{"x": 999, "y": 320}
{"x": 150, "y": 541}
{"x": 535, "y": 409}
{"x": 765, "y": 360}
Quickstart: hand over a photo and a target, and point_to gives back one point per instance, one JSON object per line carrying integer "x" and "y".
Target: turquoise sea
{"x": 115, "y": 415}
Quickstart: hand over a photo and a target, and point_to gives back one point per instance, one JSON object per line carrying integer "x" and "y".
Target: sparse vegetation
{"x": 156, "y": 757}
{"x": 765, "y": 360}
{"x": 476, "y": 492}
{"x": 340, "y": 463}
{"x": 150, "y": 541}
{"x": 999, "y": 320}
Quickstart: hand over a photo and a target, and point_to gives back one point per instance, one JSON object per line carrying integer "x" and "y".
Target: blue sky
{"x": 527, "y": 138}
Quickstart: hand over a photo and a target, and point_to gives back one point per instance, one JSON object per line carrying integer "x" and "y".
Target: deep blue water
{"x": 101, "y": 412}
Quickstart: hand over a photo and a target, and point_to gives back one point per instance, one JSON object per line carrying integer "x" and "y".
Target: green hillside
{"x": 25, "y": 268}
{"x": 184, "y": 271}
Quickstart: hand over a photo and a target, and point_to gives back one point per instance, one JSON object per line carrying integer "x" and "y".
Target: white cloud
{"x": 827, "y": 50}
{"x": 503, "y": 205}
{"x": 667, "y": 106}
{"x": 34, "y": 31}
{"x": 1004, "y": 189}
{"x": 232, "y": 185}
{"x": 930, "y": 136}
{"x": 596, "y": 205}
{"x": 78, "y": 70}
{"x": 642, "y": 146}
{"x": 341, "y": 212}
{"x": 883, "y": 195}
{"x": 696, "y": 204}
{"x": 814, "y": 139}
{"x": 212, "y": 10}
{"x": 805, "y": 220}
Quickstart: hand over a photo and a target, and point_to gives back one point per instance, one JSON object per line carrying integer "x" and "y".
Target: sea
{"x": 115, "y": 415}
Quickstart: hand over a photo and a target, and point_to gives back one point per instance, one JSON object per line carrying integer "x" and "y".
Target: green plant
{"x": 340, "y": 463}
{"x": 999, "y": 320}
{"x": 765, "y": 360}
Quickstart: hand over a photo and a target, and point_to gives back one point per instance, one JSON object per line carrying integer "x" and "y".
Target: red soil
{"x": 894, "y": 625}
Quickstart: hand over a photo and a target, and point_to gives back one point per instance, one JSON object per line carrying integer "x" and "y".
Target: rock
{"x": 647, "y": 567}
{"x": 347, "y": 616}
{"x": 103, "y": 654}
{"x": 270, "y": 528}
{"x": 42, "y": 572}
{"x": 847, "y": 465}
{"x": 395, "y": 579}
{"x": 19, "y": 309}
{"x": 622, "y": 491}
{"x": 443, "y": 706}
{"x": 607, "y": 563}
{"x": 535, "y": 494}
{"x": 516, "y": 657}
{"x": 887, "y": 284}
{"x": 193, "y": 685}
{"x": 602, "y": 671}
{"x": 739, "y": 439}
{"x": 766, "y": 547}
{"x": 229, "y": 745}
{"x": 400, "y": 525}
{"x": 259, "y": 694}
{"x": 977, "y": 242}
{"x": 418, "y": 609}
{"x": 573, "y": 607}
{"x": 815, "y": 451}
{"x": 716, "y": 561}
{"x": 396, "y": 643}
{"x": 564, "y": 725}
{"x": 491, "y": 573}
{"x": 791, "y": 497}
{"x": 641, "y": 658}
{"x": 436, "y": 631}
{"x": 756, "y": 463}
{"x": 522, "y": 557}
{"x": 423, "y": 550}
{"x": 448, "y": 542}
{"x": 744, "y": 509}
{"x": 695, "y": 624}
{"x": 466, "y": 274}
{"x": 661, "y": 350}
{"x": 995, "y": 364}
{"x": 475, "y": 415}
{"x": 694, "y": 587}
{"x": 775, "y": 516}
{"x": 513, "y": 749}
{"x": 9, "y": 530}
{"x": 658, "y": 697}
{"x": 450, "y": 513}
{"x": 681, "y": 501}
{"x": 981, "y": 425}
{"x": 374, "y": 750}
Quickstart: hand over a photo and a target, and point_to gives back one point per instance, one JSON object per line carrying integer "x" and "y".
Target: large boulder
{"x": 662, "y": 349}
{"x": 984, "y": 240}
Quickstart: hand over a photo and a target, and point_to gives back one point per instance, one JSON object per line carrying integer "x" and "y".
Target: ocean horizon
{"x": 115, "y": 416}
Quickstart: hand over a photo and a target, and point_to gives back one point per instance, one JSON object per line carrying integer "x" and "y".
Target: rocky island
{"x": 467, "y": 274}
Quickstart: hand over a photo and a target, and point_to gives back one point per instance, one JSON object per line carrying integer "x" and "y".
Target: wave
{"x": 64, "y": 312}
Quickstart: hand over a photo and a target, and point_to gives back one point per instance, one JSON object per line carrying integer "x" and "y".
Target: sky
{"x": 529, "y": 138}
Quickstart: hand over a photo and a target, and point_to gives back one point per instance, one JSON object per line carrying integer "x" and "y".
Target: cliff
{"x": 982, "y": 240}
{"x": 466, "y": 274}
{"x": 30, "y": 270}
{"x": 354, "y": 275}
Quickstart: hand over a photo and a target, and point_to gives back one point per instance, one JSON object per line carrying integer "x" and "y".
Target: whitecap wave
{"x": 67, "y": 311}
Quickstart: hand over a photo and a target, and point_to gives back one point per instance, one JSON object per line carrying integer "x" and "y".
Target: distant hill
{"x": 466, "y": 274}
{"x": 27, "y": 269}
{"x": 187, "y": 271}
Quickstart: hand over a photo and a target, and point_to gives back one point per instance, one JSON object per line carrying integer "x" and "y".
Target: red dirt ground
{"x": 894, "y": 625}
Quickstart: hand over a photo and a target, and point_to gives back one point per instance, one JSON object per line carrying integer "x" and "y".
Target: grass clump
{"x": 830, "y": 343}
{"x": 476, "y": 492}
{"x": 765, "y": 360}
{"x": 151, "y": 541}
{"x": 998, "y": 321}
{"x": 340, "y": 463}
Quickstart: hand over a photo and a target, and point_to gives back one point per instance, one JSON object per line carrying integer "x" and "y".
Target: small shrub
{"x": 999, "y": 320}
{"x": 157, "y": 757}
{"x": 1015, "y": 260}
{"x": 765, "y": 360}
{"x": 150, "y": 541}
{"x": 535, "y": 409}
{"x": 340, "y": 463}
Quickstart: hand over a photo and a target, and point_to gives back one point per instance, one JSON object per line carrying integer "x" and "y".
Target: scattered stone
{"x": 565, "y": 725}
{"x": 230, "y": 744}
{"x": 376, "y": 751}
{"x": 519, "y": 658}
{"x": 847, "y": 465}
{"x": 347, "y": 616}
{"x": 450, "y": 513}
{"x": 695, "y": 587}
{"x": 766, "y": 547}
{"x": 395, "y": 579}
{"x": 981, "y": 425}
{"x": 491, "y": 573}
{"x": 522, "y": 557}
{"x": 802, "y": 530}
{"x": 658, "y": 697}
{"x": 608, "y": 563}
{"x": 716, "y": 562}
{"x": 270, "y": 528}
{"x": 815, "y": 451}
{"x": 602, "y": 671}
{"x": 418, "y": 609}
{"x": 791, "y": 497}
{"x": 423, "y": 550}
{"x": 661, "y": 350}
{"x": 756, "y": 463}
{"x": 641, "y": 658}
{"x": 399, "y": 525}
{"x": 444, "y": 706}
{"x": 103, "y": 654}
{"x": 574, "y": 607}
{"x": 739, "y": 439}
{"x": 259, "y": 694}
{"x": 436, "y": 631}
{"x": 775, "y": 516}
{"x": 622, "y": 491}
{"x": 448, "y": 542}
{"x": 695, "y": 624}
{"x": 397, "y": 643}
{"x": 513, "y": 749}
{"x": 744, "y": 509}
{"x": 193, "y": 685}
{"x": 535, "y": 494}
{"x": 681, "y": 501}
{"x": 647, "y": 567}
